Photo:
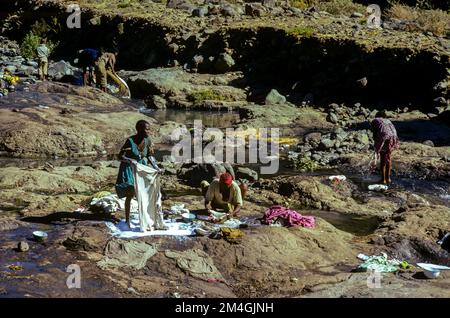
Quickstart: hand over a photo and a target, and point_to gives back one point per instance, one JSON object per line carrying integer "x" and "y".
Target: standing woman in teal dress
{"x": 138, "y": 147}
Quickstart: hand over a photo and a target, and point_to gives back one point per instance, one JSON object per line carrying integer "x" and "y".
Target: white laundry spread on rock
{"x": 121, "y": 230}
{"x": 177, "y": 209}
{"x": 148, "y": 193}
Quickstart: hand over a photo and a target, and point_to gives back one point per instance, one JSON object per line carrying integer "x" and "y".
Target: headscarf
{"x": 226, "y": 178}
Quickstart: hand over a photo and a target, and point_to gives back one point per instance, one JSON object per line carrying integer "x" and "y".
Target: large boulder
{"x": 332, "y": 118}
{"x": 246, "y": 173}
{"x": 275, "y": 98}
{"x": 157, "y": 81}
{"x": 87, "y": 237}
{"x": 194, "y": 174}
{"x": 178, "y": 86}
{"x": 326, "y": 144}
{"x": 24, "y": 70}
{"x": 229, "y": 11}
{"x": 166, "y": 130}
{"x": 224, "y": 63}
{"x": 62, "y": 69}
{"x": 444, "y": 117}
{"x": 269, "y": 3}
{"x": 181, "y": 5}
{"x": 255, "y": 9}
{"x": 313, "y": 138}
{"x": 156, "y": 102}
{"x": 200, "y": 11}
{"x": 11, "y": 68}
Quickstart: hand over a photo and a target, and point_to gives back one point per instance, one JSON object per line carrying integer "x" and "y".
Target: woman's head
{"x": 143, "y": 128}
{"x": 225, "y": 180}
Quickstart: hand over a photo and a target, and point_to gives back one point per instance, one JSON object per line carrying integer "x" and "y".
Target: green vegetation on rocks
{"x": 304, "y": 164}
{"x": 305, "y": 32}
{"x": 345, "y": 7}
{"x": 205, "y": 94}
{"x": 434, "y": 21}
{"x": 124, "y": 4}
{"x": 40, "y": 29}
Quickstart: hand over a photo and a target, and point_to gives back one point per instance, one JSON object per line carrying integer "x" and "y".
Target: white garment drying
{"x": 148, "y": 193}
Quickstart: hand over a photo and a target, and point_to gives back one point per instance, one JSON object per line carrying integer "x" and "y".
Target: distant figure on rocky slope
{"x": 105, "y": 66}
{"x": 86, "y": 60}
{"x": 386, "y": 140}
{"x": 138, "y": 147}
{"x": 224, "y": 194}
{"x": 42, "y": 53}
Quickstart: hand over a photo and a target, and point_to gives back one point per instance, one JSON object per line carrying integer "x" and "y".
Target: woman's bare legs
{"x": 383, "y": 169}
{"x": 388, "y": 172}
{"x": 127, "y": 210}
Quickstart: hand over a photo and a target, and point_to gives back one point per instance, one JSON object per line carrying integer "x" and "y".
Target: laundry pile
{"x": 287, "y": 217}
{"x": 106, "y": 202}
{"x": 177, "y": 209}
{"x": 380, "y": 263}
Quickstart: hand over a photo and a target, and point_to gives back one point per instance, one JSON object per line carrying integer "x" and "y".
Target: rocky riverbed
{"x": 58, "y": 146}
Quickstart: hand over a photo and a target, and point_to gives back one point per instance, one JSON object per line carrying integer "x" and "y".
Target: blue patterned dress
{"x": 125, "y": 178}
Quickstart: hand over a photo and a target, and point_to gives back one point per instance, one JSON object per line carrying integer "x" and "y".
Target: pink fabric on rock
{"x": 292, "y": 217}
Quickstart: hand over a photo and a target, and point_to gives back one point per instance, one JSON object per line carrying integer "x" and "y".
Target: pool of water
{"x": 358, "y": 225}
{"x": 43, "y": 259}
{"x": 39, "y": 162}
{"x": 214, "y": 119}
{"x": 435, "y": 192}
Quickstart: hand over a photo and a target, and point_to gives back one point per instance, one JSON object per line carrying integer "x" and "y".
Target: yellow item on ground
{"x": 101, "y": 194}
{"x": 123, "y": 89}
{"x": 11, "y": 80}
{"x": 231, "y": 235}
{"x": 15, "y": 267}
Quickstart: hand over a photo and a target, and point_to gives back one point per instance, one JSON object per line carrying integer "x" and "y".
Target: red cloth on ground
{"x": 292, "y": 217}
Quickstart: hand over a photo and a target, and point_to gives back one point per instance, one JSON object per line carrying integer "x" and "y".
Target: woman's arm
{"x": 126, "y": 147}
{"x": 236, "y": 210}
{"x": 151, "y": 149}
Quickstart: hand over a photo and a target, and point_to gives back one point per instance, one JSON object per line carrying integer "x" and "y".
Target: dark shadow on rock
{"x": 420, "y": 130}
{"x": 61, "y": 218}
{"x": 419, "y": 275}
{"x": 417, "y": 130}
{"x": 418, "y": 250}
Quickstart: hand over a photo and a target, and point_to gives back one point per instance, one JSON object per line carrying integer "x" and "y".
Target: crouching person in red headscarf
{"x": 224, "y": 194}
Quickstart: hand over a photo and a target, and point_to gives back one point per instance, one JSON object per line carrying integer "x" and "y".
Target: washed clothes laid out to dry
{"x": 195, "y": 262}
{"x": 287, "y": 216}
{"x": 121, "y": 253}
{"x": 378, "y": 263}
{"x": 121, "y": 230}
